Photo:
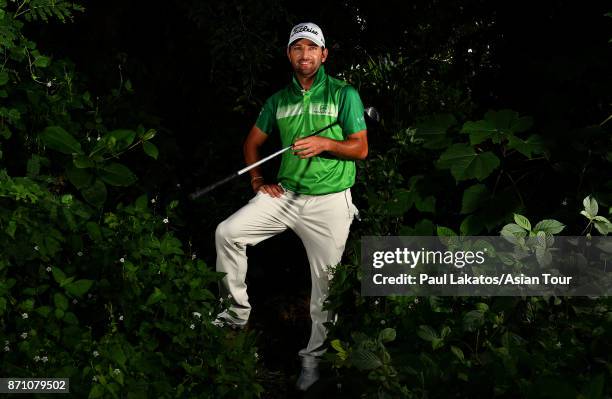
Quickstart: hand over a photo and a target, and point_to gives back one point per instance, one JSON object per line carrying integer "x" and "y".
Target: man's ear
{"x": 288, "y": 56}
{"x": 324, "y": 56}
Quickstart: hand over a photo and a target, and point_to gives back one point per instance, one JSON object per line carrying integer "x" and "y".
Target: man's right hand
{"x": 273, "y": 190}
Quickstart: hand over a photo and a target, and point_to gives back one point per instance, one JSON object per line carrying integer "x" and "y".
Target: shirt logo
{"x": 324, "y": 109}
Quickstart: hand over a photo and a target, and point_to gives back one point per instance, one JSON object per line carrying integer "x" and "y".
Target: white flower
{"x": 96, "y": 353}
{"x": 89, "y": 295}
{"x": 192, "y": 326}
{"x": 49, "y": 84}
{"x": 24, "y": 315}
{"x": 98, "y": 138}
{"x": 470, "y": 50}
{"x": 36, "y": 248}
{"x": 24, "y": 335}
{"x": 376, "y": 302}
{"x": 121, "y": 317}
{"x": 209, "y": 313}
{"x": 416, "y": 300}
{"x": 88, "y": 138}
{"x": 44, "y": 359}
{"x": 79, "y": 253}
{"x": 48, "y": 268}
{"x": 256, "y": 355}
{"x": 117, "y": 371}
{"x": 122, "y": 260}
{"x": 383, "y": 322}
{"x": 152, "y": 200}
{"x": 166, "y": 220}
{"x": 193, "y": 256}
{"x": 558, "y": 344}
{"x": 7, "y": 349}
{"x": 36, "y": 358}
{"x": 197, "y": 314}
{"x": 74, "y": 301}
{"x": 178, "y": 185}
{"x": 94, "y": 378}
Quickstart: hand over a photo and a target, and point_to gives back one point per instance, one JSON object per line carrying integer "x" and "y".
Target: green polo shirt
{"x": 294, "y": 113}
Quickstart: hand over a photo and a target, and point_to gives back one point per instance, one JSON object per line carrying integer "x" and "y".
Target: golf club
{"x": 370, "y": 112}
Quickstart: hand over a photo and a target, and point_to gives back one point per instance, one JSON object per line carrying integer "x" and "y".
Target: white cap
{"x": 307, "y": 30}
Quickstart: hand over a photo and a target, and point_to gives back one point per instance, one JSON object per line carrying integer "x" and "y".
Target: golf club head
{"x": 372, "y": 114}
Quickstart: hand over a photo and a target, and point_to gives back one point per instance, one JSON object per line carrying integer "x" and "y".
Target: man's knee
{"x": 227, "y": 231}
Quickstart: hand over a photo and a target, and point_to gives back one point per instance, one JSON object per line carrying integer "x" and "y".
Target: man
{"x": 312, "y": 196}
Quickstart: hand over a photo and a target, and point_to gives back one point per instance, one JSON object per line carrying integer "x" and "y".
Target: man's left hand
{"x": 310, "y": 146}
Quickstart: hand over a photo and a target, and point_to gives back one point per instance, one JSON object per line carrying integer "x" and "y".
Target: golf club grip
{"x": 203, "y": 191}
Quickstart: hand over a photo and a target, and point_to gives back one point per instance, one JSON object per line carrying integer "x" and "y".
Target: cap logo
{"x": 304, "y": 28}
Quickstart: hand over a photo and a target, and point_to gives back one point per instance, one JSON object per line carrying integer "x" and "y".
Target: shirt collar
{"x": 318, "y": 80}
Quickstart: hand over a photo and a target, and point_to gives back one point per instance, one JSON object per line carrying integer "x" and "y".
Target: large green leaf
{"x": 427, "y": 333}
{"x": 150, "y": 149}
{"x": 533, "y": 145}
{"x": 522, "y": 221}
{"x": 156, "y": 296}
{"x": 93, "y": 229}
{"x": 96, "y": 193}
{"x": 590, "y": 206}
{"x": 550, "y": 226}
{"x": 465, "y": 163}
{"x": 123, "y": 138}
{"x": 427, "y": 204}
{"x": 496, "y": 126}
{"x": 56, "y": 138}
{"x": 42, "y": 61}
{"x": 433, "y": 131}
{"x": 364, "y": 359}
{"x": 83, "y": 161}
{"x": 471, "y": 225}
{"x": 81, "y": 178}
{"x": 480, "y": 131}
{"x": 58, "y": 275}
{"x": 473, "y": 319}
{"x": 61, "y": 302}
{"x": 401, "y": 201}
{"x": 79, "y": 287}
{"x": 117, "y": 174}
{"x": 387, "y": 335}
{"x": 474, "y": 197}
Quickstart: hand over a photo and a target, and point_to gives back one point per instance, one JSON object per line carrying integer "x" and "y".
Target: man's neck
{"x": 306, "y": 81}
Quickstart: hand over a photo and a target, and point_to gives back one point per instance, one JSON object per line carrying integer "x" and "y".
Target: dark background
{"x": 201, "y": 70}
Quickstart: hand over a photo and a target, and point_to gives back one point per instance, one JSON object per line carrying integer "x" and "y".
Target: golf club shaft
{"x": 203, "y": 191}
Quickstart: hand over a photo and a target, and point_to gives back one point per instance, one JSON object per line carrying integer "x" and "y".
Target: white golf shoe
{"x": 224, "y": 319}
{"x": 308, "y": 376}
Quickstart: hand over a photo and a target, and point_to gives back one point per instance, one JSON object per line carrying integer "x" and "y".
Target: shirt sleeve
{"x": 266, "y": 121}
{"x": 350, "y": 113}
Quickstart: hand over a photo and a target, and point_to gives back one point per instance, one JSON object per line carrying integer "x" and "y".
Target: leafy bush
{"x": 478, "y": 346}
{"x": 94, "y": 284}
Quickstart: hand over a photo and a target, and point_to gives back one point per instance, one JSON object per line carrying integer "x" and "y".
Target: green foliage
{"x": 94, "y": 284}
{"x": 500, "y": 346}
{"x": 591, "y": 208}
{"x": 477, "y": 173}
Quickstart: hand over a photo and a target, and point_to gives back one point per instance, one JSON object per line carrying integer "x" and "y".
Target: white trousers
{"x": 321, "y": 221}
